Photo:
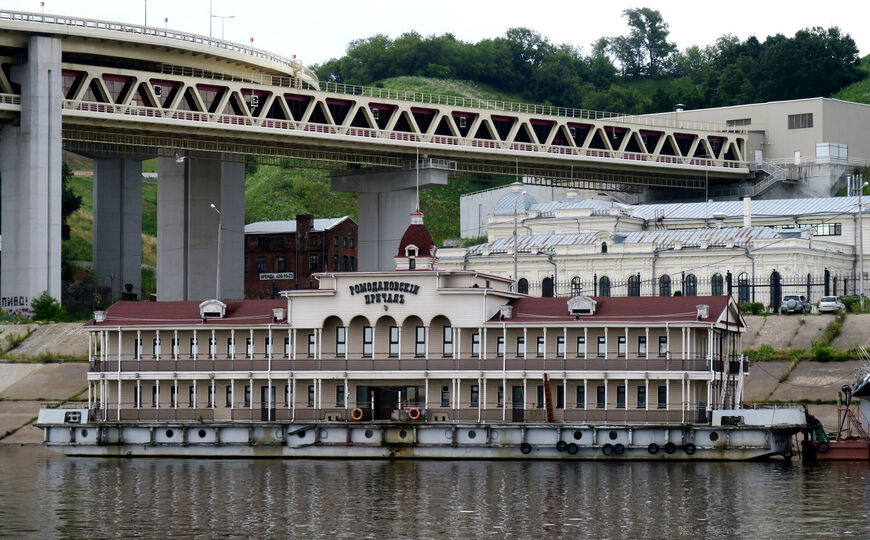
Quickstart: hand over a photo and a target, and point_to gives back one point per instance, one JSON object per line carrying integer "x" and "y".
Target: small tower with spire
{"x": 416, "y": 250}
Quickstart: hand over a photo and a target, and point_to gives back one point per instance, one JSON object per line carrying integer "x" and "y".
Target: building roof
{"x": 515, "y": 200}
{"x": 239, "y": 313}
{"x": 650, "y": 309}
{"x": 275, "y": 227}
{"x": 418, "y": 235}
{"x": 701, "y": 210}
{"x": 659, "y": 237}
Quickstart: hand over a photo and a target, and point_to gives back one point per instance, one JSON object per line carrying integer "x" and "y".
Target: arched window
{"x": 547, "y": 287}
{"x": 604, "y": 286}
{"x": 690, "y": 286}
{"x": 634, "y": 285}
{"x": 665, "y": 285}
{"x": 603, "y": 247}
{"x": 743, "y": 288}
{"x": 523, "y": 286}
{"x": 576, "y": 286}
{"x": 717, "y": 285}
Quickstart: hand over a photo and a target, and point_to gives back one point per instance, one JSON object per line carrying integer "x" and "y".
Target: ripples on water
{"x": 44, "y": 494}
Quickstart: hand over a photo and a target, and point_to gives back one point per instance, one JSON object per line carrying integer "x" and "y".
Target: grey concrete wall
{"x": 386, "y": 200}
{"x": 187, "y": 228}
{"x": 117, "y": 232}
{"x": 30, "y": 163}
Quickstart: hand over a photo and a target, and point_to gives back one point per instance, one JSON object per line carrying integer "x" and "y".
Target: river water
{"x": 43, "y": 494}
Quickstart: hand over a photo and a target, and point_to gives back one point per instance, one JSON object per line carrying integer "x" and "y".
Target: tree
{"x": 46, "y": 308}
{"x": 70, "y": 202}
{"x": 645, "y": 50}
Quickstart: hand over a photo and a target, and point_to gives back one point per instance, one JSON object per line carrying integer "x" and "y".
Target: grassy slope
{"x": 859, "y": 91}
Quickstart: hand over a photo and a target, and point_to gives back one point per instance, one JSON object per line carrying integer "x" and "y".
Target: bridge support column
{"x": 117, "y": 243}
{"x": 386, "y": 198}
{"x": 187, "y": 228}
{"x": 30, "y": 163}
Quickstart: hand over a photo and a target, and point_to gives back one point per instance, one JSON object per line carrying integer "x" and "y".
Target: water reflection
{"x": 45, "y": 494}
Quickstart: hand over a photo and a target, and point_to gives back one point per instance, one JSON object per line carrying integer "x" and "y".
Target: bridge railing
{"x": 98, "y": 24}
{"x": 10, "y": 99}
{"x": 526, "y": 108}
{"x": 291, "y": 125}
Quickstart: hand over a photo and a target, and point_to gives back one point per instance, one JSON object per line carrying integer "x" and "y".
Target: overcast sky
{"x": 317, "y": 30}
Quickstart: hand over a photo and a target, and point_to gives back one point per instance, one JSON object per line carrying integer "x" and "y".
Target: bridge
{"x": 121, "y": 93}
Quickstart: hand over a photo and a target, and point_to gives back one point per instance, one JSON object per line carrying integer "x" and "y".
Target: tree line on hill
{"x": 639, "y": 72}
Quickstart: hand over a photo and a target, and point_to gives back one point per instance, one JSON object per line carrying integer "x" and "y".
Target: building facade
{"x": 286, "y": 254}
{"x": 745, "y": 248}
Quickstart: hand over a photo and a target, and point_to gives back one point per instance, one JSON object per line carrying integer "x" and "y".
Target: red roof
{"x": 418, "y": 235}
{"x": 239, "y": 312}
{"x": 619, "y": 309}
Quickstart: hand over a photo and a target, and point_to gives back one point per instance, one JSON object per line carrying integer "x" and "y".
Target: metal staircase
{"x": 775, "y": 174}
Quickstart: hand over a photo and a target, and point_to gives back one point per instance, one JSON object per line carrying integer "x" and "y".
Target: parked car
{"x": 831, "y": 303}
{"x": 794, "y": 304}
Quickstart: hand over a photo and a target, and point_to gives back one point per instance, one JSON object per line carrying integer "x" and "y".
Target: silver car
{"x": 831, "y": 303}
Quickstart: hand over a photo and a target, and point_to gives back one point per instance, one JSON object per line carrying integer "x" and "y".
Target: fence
{"x": 767, "y": 289}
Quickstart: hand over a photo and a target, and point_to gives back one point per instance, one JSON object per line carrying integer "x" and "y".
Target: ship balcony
{"x": 700, "y": 362}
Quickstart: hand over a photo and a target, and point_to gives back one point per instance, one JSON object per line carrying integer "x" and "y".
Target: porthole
{"x": 84, "y": 433}
{"x": 369, "y": 433}
{"x": 578, "y": 435}
{"x": 714, "y": 436}
{"x": 472, "y": 434}
{"x": 201, "y": 434}
{"x": 612, "y": 435}
{"x": 169, "y": 433}
{"x": 324, "y": 434}
{"x": 301, "y": 434}
{"x": 403, "y": 434}
{"x": 494, "y": 435}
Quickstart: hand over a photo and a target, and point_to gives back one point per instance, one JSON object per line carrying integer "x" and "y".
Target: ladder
{"x": 548, "y": 398}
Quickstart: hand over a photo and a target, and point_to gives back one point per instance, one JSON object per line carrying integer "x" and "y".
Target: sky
{"x": 318, "y": 30}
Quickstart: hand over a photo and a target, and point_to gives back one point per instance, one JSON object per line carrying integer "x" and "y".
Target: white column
{"x": 346, "y": 393}
{"x": 138, "y": 402}
{"x": 585, "y": 348}
{"x": 646, "y": 333}
{"x": 606, "y": 394}
{"x": 585, "y": 395}
{"x": 545, "y": 342}
{"x": 293, "y": 348}
{"x": 525, "y": 388}
{"x": 427, "y": 342}
{"x": 233, "y": 348}
{"x": 525, "y": 343}
{"x": 175, "y": 347}
{"x": 667, "y": 394}
{"x": 251, "y": 386}
{"x": 667, "y": 341}
{"x": 400, "y": 342}
{"x": 606, "y": 352}
{"x": 253, "y": 354}
{"x": 157, "y": 385}
{"x": 175, "y": 385}
{"x": 213, "y": 355}
{"x": 646, "y": 385}
{"x": 232, "y": 393}
{"x": 213, "y": 394}
{"x": 195, "y": 345}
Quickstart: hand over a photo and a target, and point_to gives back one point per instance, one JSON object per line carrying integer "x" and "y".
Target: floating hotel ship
{"x": 421, "y": 363}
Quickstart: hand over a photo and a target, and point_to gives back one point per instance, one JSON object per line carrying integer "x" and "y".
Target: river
{"x": 43, "y": 494}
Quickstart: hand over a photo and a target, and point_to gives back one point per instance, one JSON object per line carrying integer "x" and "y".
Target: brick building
{"x": 277, "y": 258}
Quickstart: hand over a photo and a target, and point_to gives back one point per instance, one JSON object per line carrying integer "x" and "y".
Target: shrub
{"x": 678, "y": 293}
{"x": 822, "y": 352}
{"x": 752, "y": 308}
{"x": 46, "y": 308}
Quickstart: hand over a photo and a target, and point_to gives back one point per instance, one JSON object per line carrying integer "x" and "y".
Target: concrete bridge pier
{"x": 386, "y": 198}
{"x": 30, "y": 164}
{"x": 187, "y": 227}
{"x": 117, "y": 232}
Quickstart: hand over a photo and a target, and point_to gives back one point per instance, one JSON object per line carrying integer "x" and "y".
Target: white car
{"x": 831, "y": 303}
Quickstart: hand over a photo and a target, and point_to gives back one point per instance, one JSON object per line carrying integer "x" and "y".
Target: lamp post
{"x": 217, "y": 287}
{"x": 223, "y": 19}
{"x": 516, "y": 240}
{"x": 861, "y": 186}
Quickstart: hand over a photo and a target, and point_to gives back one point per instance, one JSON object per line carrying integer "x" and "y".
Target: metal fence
{"x": 768, "y": 289}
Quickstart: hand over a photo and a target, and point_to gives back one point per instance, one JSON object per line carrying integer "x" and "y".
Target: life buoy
{"x": 414, "y": 413}
{"x": 689, "y": 449}
{"x": 823, "y": 447}
{"x": 653, "y": 448}
{"x": 572, "y": 448}
{"x": 561, "y": 446}
{"x": 607, "y": 449}
{"x": 356, "y": 414}
{"x": 618, "y": 449}
{"x": 525, "y": 448}
{"x": 670, "y": 448}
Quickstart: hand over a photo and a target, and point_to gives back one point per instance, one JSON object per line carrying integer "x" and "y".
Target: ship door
{"x": 518, "y": 401}
{"x": 267, "y": 414}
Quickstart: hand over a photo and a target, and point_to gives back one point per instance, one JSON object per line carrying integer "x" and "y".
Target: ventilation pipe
{"x": 747, "y": 211}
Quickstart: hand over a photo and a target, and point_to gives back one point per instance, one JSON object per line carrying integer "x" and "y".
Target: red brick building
{"x": 278, "y": 258}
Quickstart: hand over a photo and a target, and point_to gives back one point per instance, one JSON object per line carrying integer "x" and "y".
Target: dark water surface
{"x": 43, "y": 494}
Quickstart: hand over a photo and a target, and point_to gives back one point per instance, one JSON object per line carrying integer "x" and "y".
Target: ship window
{"x": 311, "y": 395}
{"x": 312, "y": 345}
{"x": 229, "y": 400}
{"x": 601, "y": 398}
{"x": 475, "y": 395}
{"x": 581, "y": 397}
{"x": 581, "y": 346}
{"x": 448, "y": 341}
{"x": 247, "y": 395}
{"x": 367, "y": 341}
{"x": 445, "y": 396}
{"x": 394, "y": 341}
{"x": 663, "y": 397}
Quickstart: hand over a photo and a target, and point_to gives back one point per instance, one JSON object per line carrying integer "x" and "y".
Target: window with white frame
{"x": 137, "y": 347}
{"x": 663, "y": 346}
{"x": 420, "y": 341}
{"x": 602, "y": 346}
{"x": 340, "y": 340}
{"x": 287, "y": 347}
{"x": 212, "y": 348}
{"x": 539, "y": 347}
{"x": 368, "y": 340}
{"x": 621, "y": 347}
{"x": 193, "y": 348}
{"x": 641, "y": 346}
{"x": 521, "y": 346}
{"x": 560, "y": 347}
{"x": 475, "y": 345}
{"x": 312, "y": 345}
{"x": 394, "y": 341}
{"x": 499, "y": 347}
{"x": 447, "y": 349}
{"x": 249, "y": 347}
{"x": 581, "y": 346}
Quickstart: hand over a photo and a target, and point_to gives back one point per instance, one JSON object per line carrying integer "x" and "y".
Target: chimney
{"x": 747, "y": 211}
{"x": 304, "y": 224}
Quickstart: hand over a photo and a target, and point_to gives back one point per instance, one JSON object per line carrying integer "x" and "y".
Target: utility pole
{"x": 861, "y": 185}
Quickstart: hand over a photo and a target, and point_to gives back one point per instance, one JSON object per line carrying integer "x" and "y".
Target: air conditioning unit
{"x": 158, "y": 90}
{"x": 255, "y": 101}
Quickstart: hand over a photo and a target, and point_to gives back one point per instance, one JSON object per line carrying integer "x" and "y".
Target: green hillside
{"x": 859, "y": 91}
